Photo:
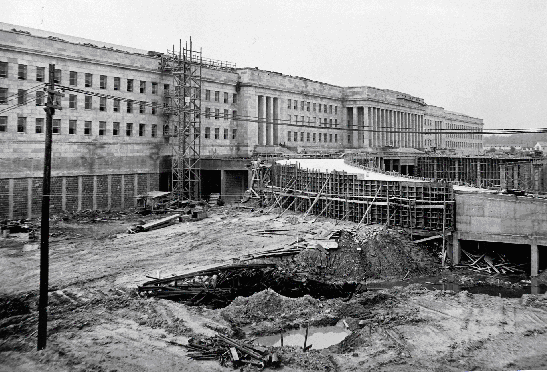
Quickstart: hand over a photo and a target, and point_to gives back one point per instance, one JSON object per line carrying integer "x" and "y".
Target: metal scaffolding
{"x": 183, "y": 107}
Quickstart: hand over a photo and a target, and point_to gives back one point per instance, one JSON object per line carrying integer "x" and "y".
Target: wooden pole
{"x": 44, "y": 232}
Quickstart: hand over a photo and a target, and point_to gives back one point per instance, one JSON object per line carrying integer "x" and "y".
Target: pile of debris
{"x": 217, "y": 287}
{"x": 489, "y": 264}
{"x": 227, "y": 350}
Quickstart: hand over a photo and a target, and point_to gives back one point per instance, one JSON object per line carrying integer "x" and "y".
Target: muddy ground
{"x": 97, "y": 321}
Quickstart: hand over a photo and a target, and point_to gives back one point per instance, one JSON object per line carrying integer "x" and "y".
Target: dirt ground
{"x": 97, "y": 322}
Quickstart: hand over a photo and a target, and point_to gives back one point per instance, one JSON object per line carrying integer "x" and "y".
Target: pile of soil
{"x": 374, "y": 252}
{"x": 276, "y": 312}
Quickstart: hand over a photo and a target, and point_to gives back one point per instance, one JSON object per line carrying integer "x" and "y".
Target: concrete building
{"x": 107, "y": 150}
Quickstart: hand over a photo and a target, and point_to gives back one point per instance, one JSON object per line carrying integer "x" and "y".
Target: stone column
{"x": 374, "y": 127}
{"x": 276, "y": 123}
{"x": 269, "y": 134}
{"x": 381, "y": 128}
{"x": 261, "y": 117}
{"x": 366, "y": 127}
{"x": 357, "y": 136}
{"x": 534, "y": 263}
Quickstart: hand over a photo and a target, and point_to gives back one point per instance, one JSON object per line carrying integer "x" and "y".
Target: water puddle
{"x": 318, "y": 337}
{"x": 436, "y": 283}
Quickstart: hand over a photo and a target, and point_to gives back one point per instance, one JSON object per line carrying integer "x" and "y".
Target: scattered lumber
{"x": 154, "y": 224}
{"x": 487, "y": 264}
{"x": 227, "y": 350}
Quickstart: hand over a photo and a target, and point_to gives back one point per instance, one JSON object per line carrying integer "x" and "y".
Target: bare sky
{"x": 487, "y": 59}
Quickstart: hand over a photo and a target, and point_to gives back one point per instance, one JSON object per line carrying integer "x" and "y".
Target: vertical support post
{"x": 80, "y": 187}
{"x": 534, "y": 255}
{"x": 63, "y": 194}
{"x": 44, "y": 233}
{"x": 109, "y": 191}
{"x": 456, "y": 249}
{"x": 11, "y": 194}
{"x": 122, "y": 192}
{"x": 95, "y": 193}
{"x": 29, "y": 197}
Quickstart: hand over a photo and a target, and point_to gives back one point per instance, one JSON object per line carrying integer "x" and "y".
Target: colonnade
{"x": 268, "y": 120}
{"x": 386, "y": 127}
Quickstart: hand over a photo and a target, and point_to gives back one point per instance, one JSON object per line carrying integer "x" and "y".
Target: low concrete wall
{"x": 501, "y": 218}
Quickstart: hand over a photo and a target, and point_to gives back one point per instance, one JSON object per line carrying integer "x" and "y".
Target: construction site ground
{"x": 97, "y": 321}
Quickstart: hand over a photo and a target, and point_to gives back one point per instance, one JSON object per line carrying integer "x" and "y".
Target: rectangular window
{"x": 102, "y": 128}
{"x": 207, "y": 132}
{"x": 217, "y": 133}
{"x": 319, "y": 107}
{"x": 234, "y": 115}
{"x": 21, "y": 124}
{"x": 102, "y": 82}
{"x": 330, "y": 109}
{"x": 154, "y": 132}
{"x": 142, "y": 107}
{"x": 154, "y": 88}
{"x": 234, "y": 98}
{"x": 307, "y": 106}
{"x": 289, "y": 104}
{"x": 307, "y": 137}
{"x": 117, "y": 83}
{"x": 217, "y": 96}
{"x": 4, "y": 70}
{"x": 217, "y": 114}
{"x": 319, "y": 137}
{"x": 314, "y": 107}
{"x": 225, "y": 97}
{"x": 87, "y": 128}
{"x": 128, "y": 129}
{"x": 234, "y": 134}
{"x": 22, "y": 72}
{"x": 330, "y": 137}
{"x": 166, "y": 130}
{"x": 301, "y": 136}
{"x": 21, "y": 97}
{"x": 142, "y": 130}
{"x": 226, "y": 114}
{"x": 40, "y": 73}
{"x": 3, "y": 123}
{"x": 207, "y": 95}
{"x": 295, "y": 104}
{"x": 102, "y": 104}
{"x": 301, "y": 105}
{"x": 115, "y": 128}
{"x": 336, "y": 110}
{"x": 39, "y": 125}
{"x": 129, "y": 107}
{"x": 325, "y": 137}
{"x": 325, "y": 108}
{"x": 296, "y": 119}
{"x": 40, "y": 95}
{"x": 116, "y": 105}
{"x": 72, "y": 125}
{"x": 154, "y": 108}
{"x": 73, "y": 78}
{"x": 3, "y": 96}
{"x": 142, "y": 87}
{"x": 289, "y": 136}
{"x": 325, "y": 122}
{"x": 129, "y": 85}
{"x": 336, "y": 138}
{"x": 166, "y": 91}
{"x": 349, "y": 138}
{"x": 57, "y": 76}
{"x": 56, "y": 127}
{"x": 302, "y": 120}
{"x": 295, "y": 136}
{"x": 335, "y": 122}
{"x": 225, "y": 133}
{"x": 207, "y": 112}
{"x": 330, "y": 123}
{"x": 88, "y": 102}
{"x": 313, "y": 137}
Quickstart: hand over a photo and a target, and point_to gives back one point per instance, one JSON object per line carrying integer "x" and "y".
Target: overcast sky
{"x": 487, "y": 59}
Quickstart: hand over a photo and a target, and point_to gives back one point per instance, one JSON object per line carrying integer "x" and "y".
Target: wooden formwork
{"x": 530, "y": 176}
{"x": 407, "y": 204}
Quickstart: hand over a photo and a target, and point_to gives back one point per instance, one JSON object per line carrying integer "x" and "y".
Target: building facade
{"x": 112, "y": 137}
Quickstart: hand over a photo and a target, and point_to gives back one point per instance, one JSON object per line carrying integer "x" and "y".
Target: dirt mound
{"x": 372, "y": 252}
{"x": 270, "y": 306}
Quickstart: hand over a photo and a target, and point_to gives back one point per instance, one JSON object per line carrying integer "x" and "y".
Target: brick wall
{"x": 116, "y": 191}
{"x": 129, "y": 190}
{"x": 20, "y": 197}
{"x": 37, "y": 186}
{"x": 154, "y": 181}
{"x": 4, "y": 198}
{"x": 71, "y": 193}
{"x": 142, "y": 184}
{"x": 87, "y": 192}
{"x": 56, "y": 200}
{"x": 102, "y": 192}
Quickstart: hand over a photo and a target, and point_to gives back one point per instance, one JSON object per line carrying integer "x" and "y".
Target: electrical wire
{"x": 30, "y": 90}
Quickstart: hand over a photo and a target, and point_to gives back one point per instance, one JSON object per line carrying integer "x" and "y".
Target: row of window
{"x": 74, "y": 76}
{"x": 217, "y": 115}
{"x": 75, "y": 127}
{"x": 225, "y": 97}
{"x": 312, "y": 121}
{"x": 312, "y": 137}
{"x": 312, "y": 106}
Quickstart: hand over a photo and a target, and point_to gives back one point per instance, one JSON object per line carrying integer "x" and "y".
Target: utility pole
{"x": 44, "y": 231}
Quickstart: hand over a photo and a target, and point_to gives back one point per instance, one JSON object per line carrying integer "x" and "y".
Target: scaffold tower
{"x": 183, "y": 108}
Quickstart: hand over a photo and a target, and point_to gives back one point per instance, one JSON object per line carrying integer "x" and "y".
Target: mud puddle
{"x": 318, "y": 337}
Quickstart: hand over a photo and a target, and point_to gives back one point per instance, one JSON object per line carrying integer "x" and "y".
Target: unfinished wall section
{"x": 414, "y": 205}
